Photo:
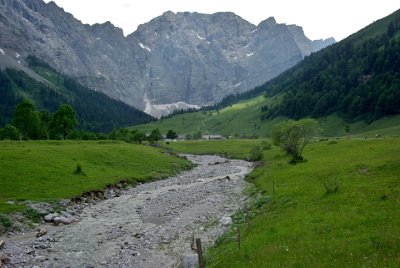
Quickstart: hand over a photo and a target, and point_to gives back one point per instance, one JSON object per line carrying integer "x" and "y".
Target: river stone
{"x": 50, "y": 217}
{"x": 63, "y": 220}
{"x": 190, "y": 261}
{"x": 225, "y": 221}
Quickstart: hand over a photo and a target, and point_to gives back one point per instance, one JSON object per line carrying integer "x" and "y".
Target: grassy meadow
{"x": 48, "y": 170}
{"x": 243, "y": 119}
{"x": 341, "y": 208}
{"x": 233, "y": 148}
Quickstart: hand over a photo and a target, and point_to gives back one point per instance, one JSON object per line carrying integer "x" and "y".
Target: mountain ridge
{"x": 185, "y": 57}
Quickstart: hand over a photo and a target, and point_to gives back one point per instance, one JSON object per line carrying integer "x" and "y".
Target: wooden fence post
{"x": 238, "y": 237}
{"x": 199, "y": 252}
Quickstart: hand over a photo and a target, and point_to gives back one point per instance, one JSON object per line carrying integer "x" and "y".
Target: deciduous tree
{"x": 292, "y": 136}
{"x": 26, "y": 119}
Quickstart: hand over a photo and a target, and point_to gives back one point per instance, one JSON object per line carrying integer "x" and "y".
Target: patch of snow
{"x": 254, "y": 30}
{"x": 17, "y": 55}
{"x": 238, "y": 84}
{"x": 2, "y": 51}
{"x": 19, "y": 62}
{"x": 98, "y": 38}
{"x": 144, "y": 47}
{"x": 208, "y": 42}
{"x": 249, "y": 54}
{"x": 201, "y": 38}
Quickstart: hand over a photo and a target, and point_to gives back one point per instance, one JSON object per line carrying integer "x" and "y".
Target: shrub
{"x": 32, "y": 214}
{"x": 331, "y": 186}
{"x": 5, "y": 221}
{"x": 266, "y": 145}
{"x": 79, "y": 171}
{"x": 256, "y": 154}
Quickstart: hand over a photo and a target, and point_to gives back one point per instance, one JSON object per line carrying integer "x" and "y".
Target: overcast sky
{"x": 319, "y": 18}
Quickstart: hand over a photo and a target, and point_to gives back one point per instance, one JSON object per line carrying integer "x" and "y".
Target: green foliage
{"x": 266, "y": 145}
{"x": 256, "y": 153}
{"x": 79, "y": 171}
{"x": 293, "y": 136}
{"x": 101, "y": 113}
{"x": 331, "y": 186}
{"x": 9, "y": 132}
{"x": 44, "y": 170}
{"x": 358, "y": 78}
{"x": 44, "y": 126}
{"x": 26, "y": 119}
{"x": 32, "y": 214}
{"x": 171, "y": 134}
{"x": 64, "y": 120}
{"x": 5, "y": 221}
{"x": 155, "y": 135}
{"x": 139, "y": 137}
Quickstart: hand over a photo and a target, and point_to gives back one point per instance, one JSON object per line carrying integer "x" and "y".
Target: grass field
{"x": 232, "y": 148}
{"x": 243, "y": 119}
{"x": 302, "y": 225}
{"x": 46, "y": 170}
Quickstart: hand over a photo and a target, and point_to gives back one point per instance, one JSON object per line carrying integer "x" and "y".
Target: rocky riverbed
{"x": 151, "y": 225}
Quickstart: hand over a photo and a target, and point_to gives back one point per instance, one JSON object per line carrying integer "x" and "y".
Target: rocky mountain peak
{"x": 188, "y": 58}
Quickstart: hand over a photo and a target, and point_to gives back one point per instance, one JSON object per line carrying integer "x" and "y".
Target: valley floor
{"x": 150, "y": 225}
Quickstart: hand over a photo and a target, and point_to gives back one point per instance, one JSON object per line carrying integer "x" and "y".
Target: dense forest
{"x": 95, "y": 111}
{"x": 358, "y": 78}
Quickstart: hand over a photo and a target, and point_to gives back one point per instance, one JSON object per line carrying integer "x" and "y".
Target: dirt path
{"x": 150, "y": 225}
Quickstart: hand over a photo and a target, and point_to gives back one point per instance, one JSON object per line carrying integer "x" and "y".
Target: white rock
{"x": 225, "y": 221}
{"x": 63, "y": 220}
{"x": 50, "y": 217}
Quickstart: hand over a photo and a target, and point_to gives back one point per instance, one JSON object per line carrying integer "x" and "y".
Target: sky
{"x": 320, "y": 19}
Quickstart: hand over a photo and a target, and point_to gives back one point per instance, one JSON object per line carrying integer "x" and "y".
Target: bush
{"x": 331, "y": 186}
{"x": 5, "y": 221}
{"x": 266, "y": 145}
{"x": 79, "y": 171}
{"x": 32, "y": 214}
{"x": 256, "y": 154}
{"x": 9, "y": 132}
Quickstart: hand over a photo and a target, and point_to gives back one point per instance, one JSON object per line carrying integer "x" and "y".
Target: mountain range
{"x": 174, "y": 61}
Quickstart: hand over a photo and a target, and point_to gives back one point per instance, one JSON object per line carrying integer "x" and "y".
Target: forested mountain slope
{"x": 95, "y": 111}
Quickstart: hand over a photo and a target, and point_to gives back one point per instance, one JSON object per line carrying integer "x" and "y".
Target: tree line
{"x": 358, "y": 78}
{"x": 29, "y": 123}
{"x": 95, "y": 111}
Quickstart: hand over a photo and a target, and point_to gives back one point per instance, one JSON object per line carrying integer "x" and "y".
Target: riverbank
{"x": 150, "y": 225}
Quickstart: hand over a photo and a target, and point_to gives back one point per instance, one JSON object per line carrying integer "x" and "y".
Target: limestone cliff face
{"x": 189, "y": 58}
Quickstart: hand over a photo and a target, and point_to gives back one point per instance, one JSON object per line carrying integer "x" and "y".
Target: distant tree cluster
{"x": 29, "y": 123}
{"x": 358, "y": 78}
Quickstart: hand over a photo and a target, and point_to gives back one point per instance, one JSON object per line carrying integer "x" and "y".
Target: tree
{"x": 155, "y": 135}
{"x": 292, "y": 136}
{"x": 139, "y": 137}
{"x": 9, "y": 132}
{"x": 45, "y": 119}
{"x": 26, "y": 119}
{"x": 171, "y": 134}
{"x": 64, "y": 120}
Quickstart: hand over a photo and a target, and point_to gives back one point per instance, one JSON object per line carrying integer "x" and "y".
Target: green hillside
{"x": 357, "y": 78}
{"x": 47, "y": 170}
{"x": 95, "y": 110}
